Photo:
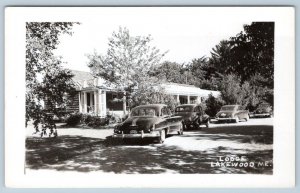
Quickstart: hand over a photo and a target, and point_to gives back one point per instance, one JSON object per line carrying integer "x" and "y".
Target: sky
{"x": 186, "y": 36}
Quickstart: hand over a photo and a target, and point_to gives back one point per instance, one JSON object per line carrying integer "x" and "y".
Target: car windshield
{"x": 148, "y": 112}
{"x": 227, "y": 108}
{"x": 184, "y": 109}
{"x": 264, "y": 105}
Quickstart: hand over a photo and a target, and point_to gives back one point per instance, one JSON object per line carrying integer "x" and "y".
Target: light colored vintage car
{"x": 149, "y": 121}
{"x": 232, "y": 113}
{"x": 193, "y": 116}
{"x": 263, "y": 110}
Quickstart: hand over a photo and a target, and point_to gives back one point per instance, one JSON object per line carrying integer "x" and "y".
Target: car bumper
{"x": 261, "y": 115}
{"x": 225, "y": 119}
{"x": 137, "y": 135}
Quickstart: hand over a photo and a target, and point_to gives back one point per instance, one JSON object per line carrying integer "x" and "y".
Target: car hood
{"x": 139, "y": 123}
{"x": 262, "y": 110}
{"x": 227, "y": 113}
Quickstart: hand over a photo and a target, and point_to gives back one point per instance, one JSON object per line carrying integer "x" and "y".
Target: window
{"x": 240, "y": 108}
{"x": 165, "y": 111}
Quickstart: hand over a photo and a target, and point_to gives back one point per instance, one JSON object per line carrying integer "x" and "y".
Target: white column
{"x": 95, "y": 102}
{"x": 99, "y": 111}
{"x": 124, "y": 104}
{"x": 188, "y": 99}
{"x": 103, "y": 100}
{"x": 84, "y": 102}
{"x": 177, "y": 98}
{"x": 79, "y": 101}
{"x": 198, "y": 99}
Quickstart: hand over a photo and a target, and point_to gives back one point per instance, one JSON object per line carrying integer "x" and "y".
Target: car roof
{"x": 230, "y": 105}
{"x": 187, "y": 105}
{"x": 156, "y": 106}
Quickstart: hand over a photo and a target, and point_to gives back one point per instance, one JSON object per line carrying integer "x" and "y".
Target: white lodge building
{"x": 95, "y": 98}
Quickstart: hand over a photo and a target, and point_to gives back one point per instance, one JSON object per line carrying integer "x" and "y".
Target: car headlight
{"x": 117, "y": 129}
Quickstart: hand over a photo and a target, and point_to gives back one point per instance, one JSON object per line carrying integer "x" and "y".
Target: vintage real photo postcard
{"x": 150, "y": 96}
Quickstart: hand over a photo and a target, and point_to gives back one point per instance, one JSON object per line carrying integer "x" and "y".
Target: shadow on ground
{"x": 75, "y": 153}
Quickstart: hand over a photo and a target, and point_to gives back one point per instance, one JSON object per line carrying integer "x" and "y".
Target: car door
{"x": 171, "y": 121}
{"x": 199, "y": 113}
{"x": 241, "y": 112}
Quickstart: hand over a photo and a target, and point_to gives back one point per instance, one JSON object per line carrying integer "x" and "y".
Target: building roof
{"x": 85, "y": 80}
{"x": 179, "y": 89}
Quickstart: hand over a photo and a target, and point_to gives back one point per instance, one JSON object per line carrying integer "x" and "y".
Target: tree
{"x": 46, "y": 80}
{"x": 151, "y": 93}
{"x": 253, "y": 51}
{"x": 213, "y": 105}
{"x": 169, "y": 72}
{"x": 127, "y": 62}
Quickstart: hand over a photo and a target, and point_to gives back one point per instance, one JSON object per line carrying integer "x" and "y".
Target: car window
{"x": 164, "y": 111}
{"x": 184, "y": 109}
{"x": 227, "y": 108}
{"x": 149, "y": 112}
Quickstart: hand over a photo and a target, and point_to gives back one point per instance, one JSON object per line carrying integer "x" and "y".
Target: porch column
{"x": 80, "y": 102}
{"x": 99, "y": 105}
{"x": 198, "y": 99}
{"x": 103, "y": 101}
{"x": 177, "y": 98}
{"x": 95, "y": 102}
{"x": 188, "y": 99}
{"x": 84, "y": 102}
{"x": 124, "y": 103}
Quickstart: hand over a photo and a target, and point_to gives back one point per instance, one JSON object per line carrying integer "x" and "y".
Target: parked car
{"x": 149, "y": 121}
{"x": 193, "y": 116}
{"x": 263, "y": 110}
{"x": 232, "y": 113}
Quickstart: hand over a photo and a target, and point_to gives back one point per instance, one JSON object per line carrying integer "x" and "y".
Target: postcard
{"x": 176, "y": 97}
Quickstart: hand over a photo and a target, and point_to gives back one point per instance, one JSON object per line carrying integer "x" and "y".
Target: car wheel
{"x": 162, "y": 136}
{"x": 207, "y": 124}
{"x": 180, "y": 132}
{"x": 247, "y": 118}
{"x": 236, "y": 119}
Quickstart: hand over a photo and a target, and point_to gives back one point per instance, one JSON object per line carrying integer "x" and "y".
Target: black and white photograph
{"x": 159, "y": 90}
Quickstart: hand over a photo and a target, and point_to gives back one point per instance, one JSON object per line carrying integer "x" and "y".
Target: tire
{"x": 180, "y": 132}
{"x": 162, "y": 136}
{"x": 247, "y": 118}
{"x": 236, "y": 119}
{"x": 207, "y": 124}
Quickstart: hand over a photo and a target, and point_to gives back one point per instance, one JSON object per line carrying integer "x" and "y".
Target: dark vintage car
{"x": 232, "y": 113}
{"x": 263, "y": 110}
{"x": 193, "y": 116}
{"x": 149, "y": 121}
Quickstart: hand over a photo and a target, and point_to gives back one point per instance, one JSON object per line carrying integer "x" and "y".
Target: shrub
{"x": 213, "y": 105}
{"x": 74, "y": 119}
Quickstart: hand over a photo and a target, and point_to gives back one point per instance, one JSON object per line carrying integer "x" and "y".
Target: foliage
{"x": 128, "y": 59}
{"x": 74, "y": 119}
{"x": 46, "y": 80}
{"x": 127, "y": 65}
{"x": 87, "y": 119}
{"x": 213, "y": 105}
{"x": 149, "y": 92}
{"x": 169, "y": 72}
{"x": 253, "y": 51}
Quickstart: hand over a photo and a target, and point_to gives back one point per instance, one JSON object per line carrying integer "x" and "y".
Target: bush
{"x": 74, "y": 119}
{"x": 213, "y": 105}
{"x": 86, "y": 119}
{"x": 97, "y": 121}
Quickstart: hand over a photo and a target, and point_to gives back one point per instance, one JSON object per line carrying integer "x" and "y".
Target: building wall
{"x": 73, "y": 104}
